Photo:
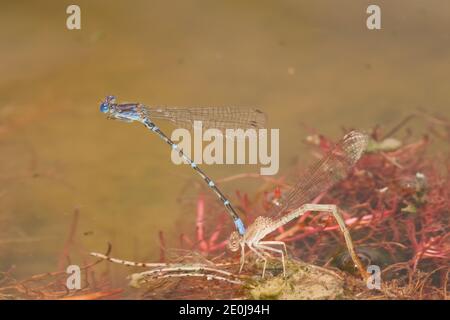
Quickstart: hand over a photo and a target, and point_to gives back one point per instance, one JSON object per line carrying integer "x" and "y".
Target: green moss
{"x": 389, "y": 144}
{"x": 302, "y": 282}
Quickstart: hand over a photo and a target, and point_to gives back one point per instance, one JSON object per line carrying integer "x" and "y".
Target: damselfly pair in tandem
{"x": 333, "y": 167}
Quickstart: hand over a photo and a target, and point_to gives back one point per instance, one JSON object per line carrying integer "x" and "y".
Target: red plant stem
{"x": 365, "y": 220}
{"x": 185, "y": 239}
{"x": 200, "y": 222}
{"x": 218, "y": 230}
{"x": 219, "y": 246}
{"x": 162, "y": 247}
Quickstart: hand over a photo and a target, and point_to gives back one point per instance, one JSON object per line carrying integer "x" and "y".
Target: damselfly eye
{"x": 104, "y": 107}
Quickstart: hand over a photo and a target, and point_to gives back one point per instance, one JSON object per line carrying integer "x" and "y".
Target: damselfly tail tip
{"x": 240, "y": 226}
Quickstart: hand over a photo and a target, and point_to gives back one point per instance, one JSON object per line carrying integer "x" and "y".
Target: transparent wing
{"x": 211, "y": 117}
{"x": 333, "y": 167}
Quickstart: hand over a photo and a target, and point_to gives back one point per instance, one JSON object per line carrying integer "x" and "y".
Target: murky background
{"x": 302, "y": 62}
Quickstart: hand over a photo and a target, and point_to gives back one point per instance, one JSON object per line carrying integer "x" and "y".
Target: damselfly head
{"x": 234, "y": 241}
{"x": 105, "y": 106}
{"x": 127, "y": 112}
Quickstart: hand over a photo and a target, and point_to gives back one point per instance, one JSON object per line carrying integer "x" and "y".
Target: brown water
{"x": 310, "y": 62}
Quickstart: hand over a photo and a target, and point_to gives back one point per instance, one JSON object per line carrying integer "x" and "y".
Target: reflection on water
{"x": 300, "y": 62}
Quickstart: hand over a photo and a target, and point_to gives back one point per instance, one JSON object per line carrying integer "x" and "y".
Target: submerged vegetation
{"x": 395, "y": 202}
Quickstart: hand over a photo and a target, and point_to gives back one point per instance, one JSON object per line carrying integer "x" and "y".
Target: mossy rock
{"x": 302, "y": 282}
